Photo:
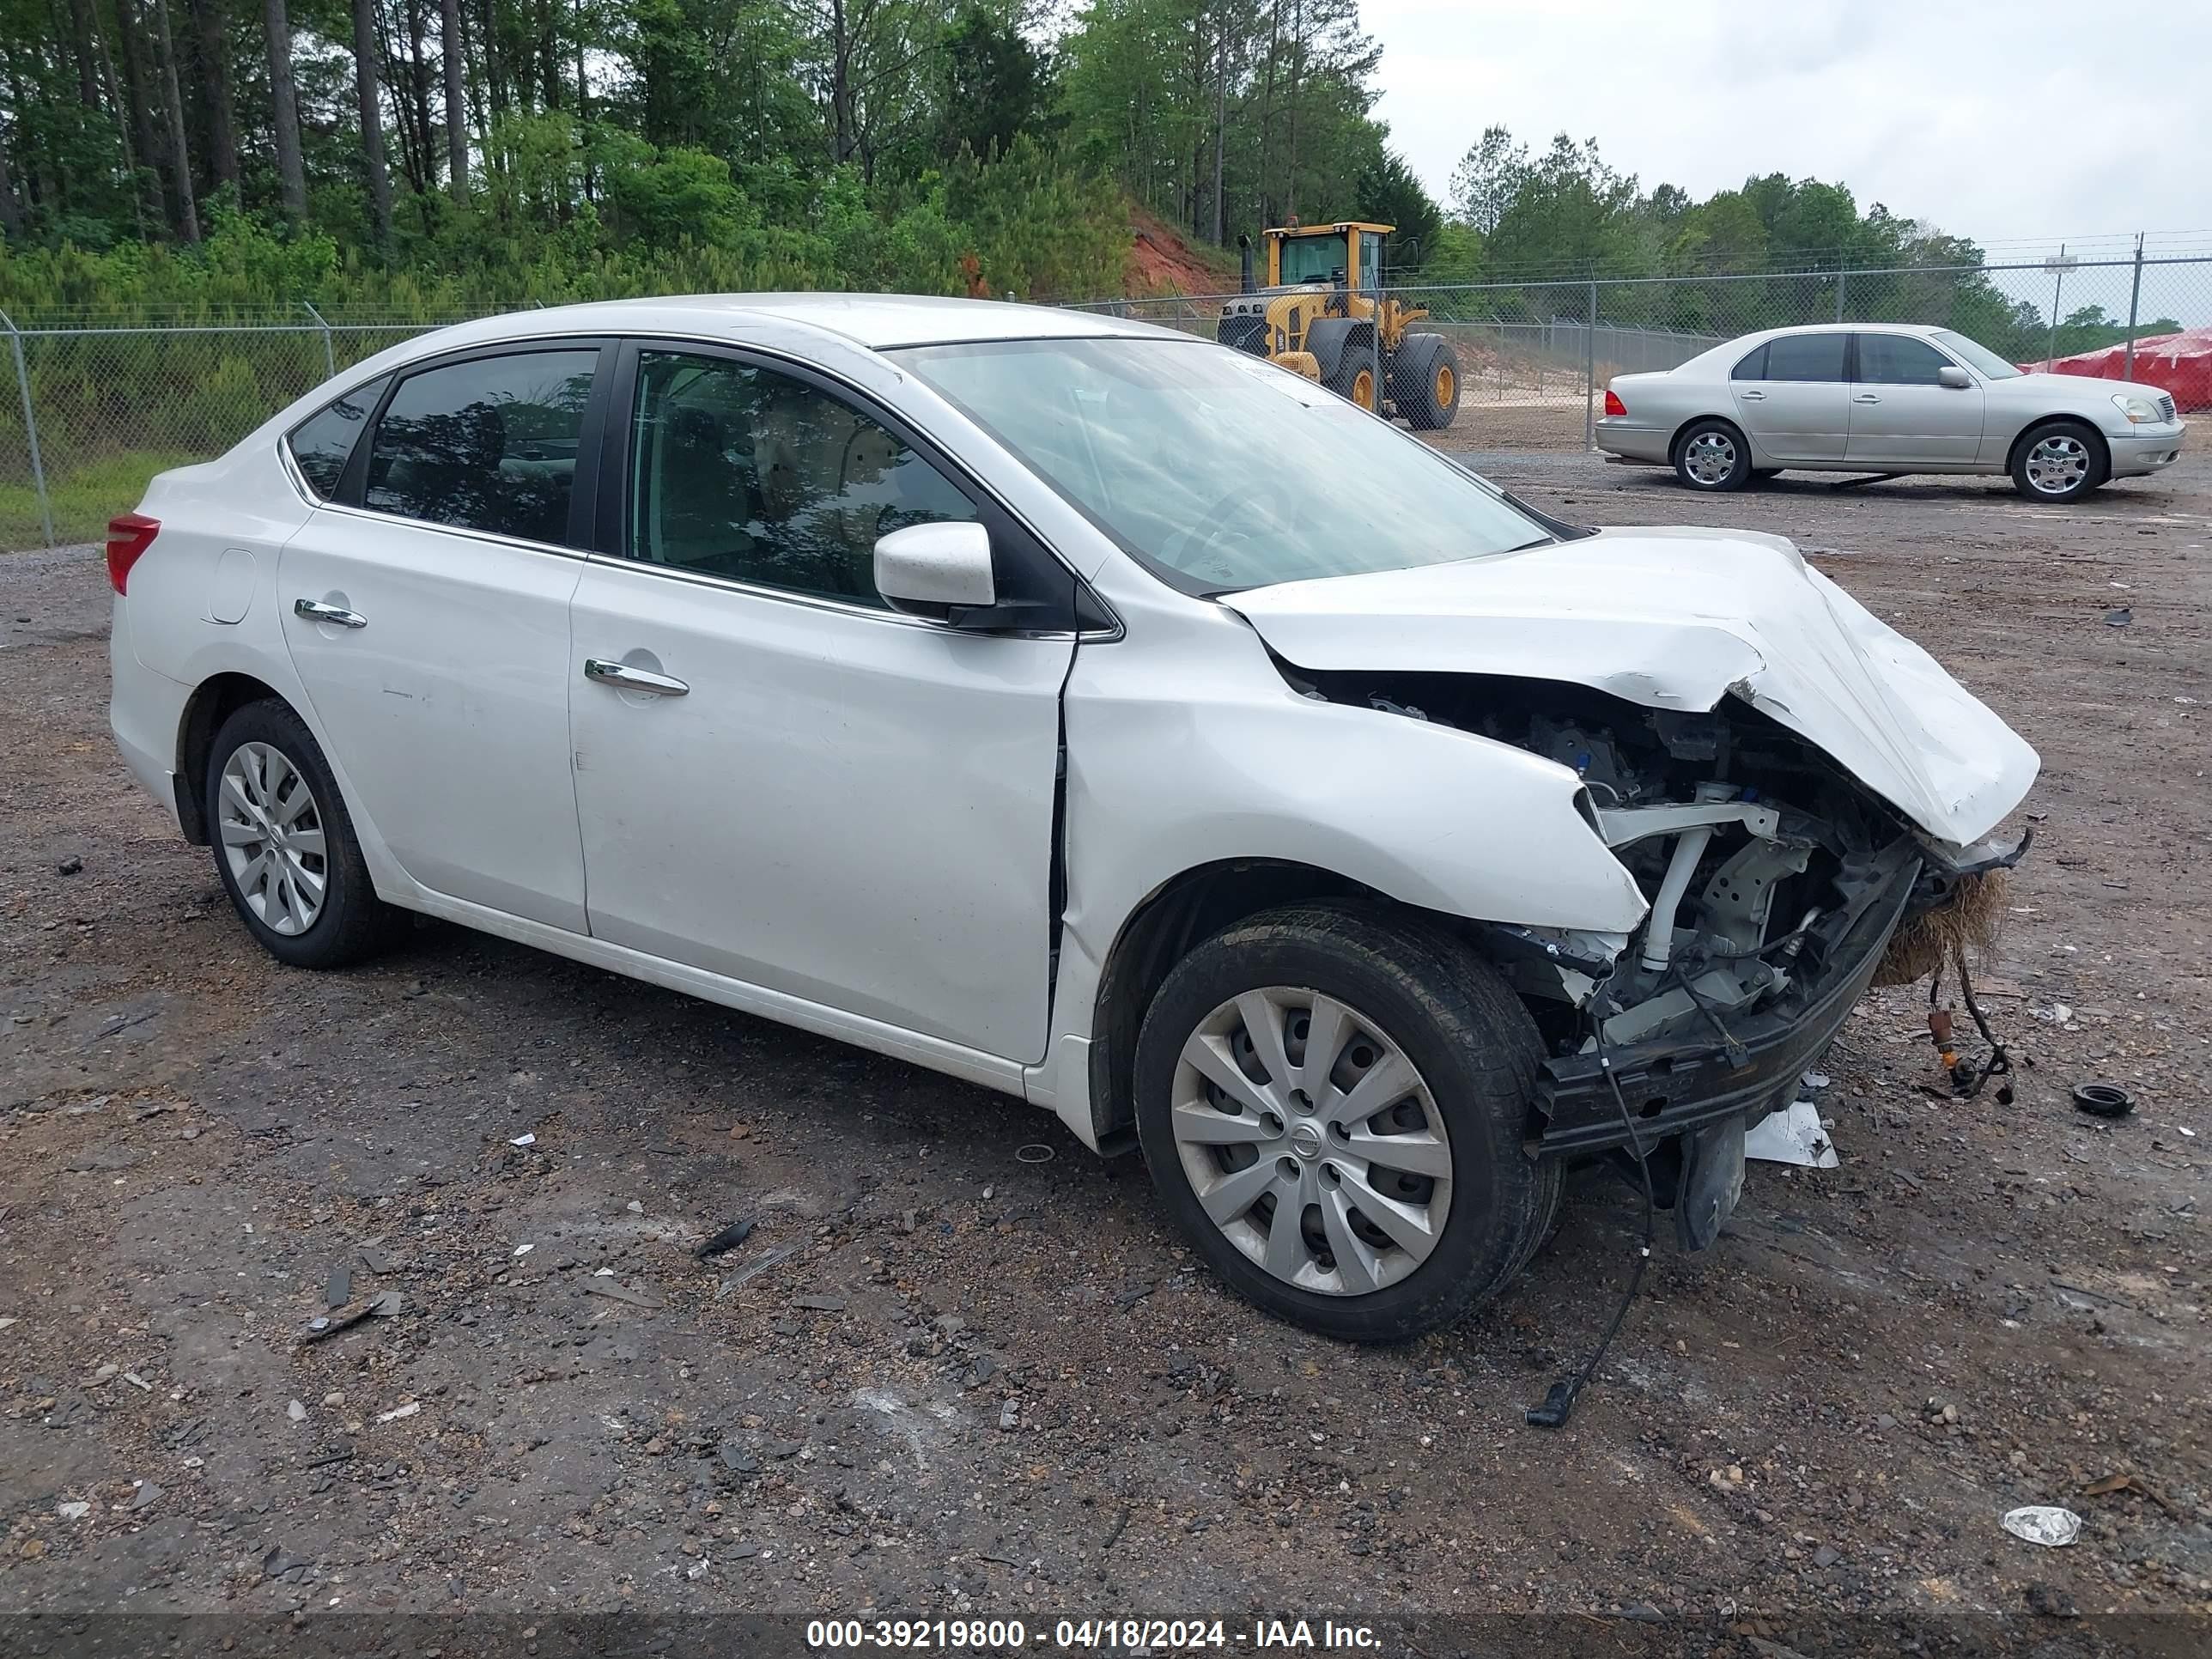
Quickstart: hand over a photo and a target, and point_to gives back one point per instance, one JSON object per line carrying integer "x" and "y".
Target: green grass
{"x": 84, "y": 499}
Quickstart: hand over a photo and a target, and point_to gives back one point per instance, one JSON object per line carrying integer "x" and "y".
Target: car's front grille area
{"x": 2165, "y": 407}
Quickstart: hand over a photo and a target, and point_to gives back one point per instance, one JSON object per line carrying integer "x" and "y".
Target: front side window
{"x": 1806, "y": 357}
{"x": 323, "y": 443}
{"x": 741, "y": 471}
{"x": 1218, "y": 470}
{"x": 486, "y": 444}
{"x": 1900, "y": 360}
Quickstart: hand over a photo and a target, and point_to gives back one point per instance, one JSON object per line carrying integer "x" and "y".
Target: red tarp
{"x": 2179, "y": 363}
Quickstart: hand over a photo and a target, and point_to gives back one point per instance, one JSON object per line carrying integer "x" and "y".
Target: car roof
{"x": 1921, "y": 329}
{"x": 874, "y": 321}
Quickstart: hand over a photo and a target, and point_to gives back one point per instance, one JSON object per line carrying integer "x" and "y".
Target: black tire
{"x": 352, "y": 923}
{"x": 1424, "y": 382}
{"x": 1474, "y": 1046}
{"x": 1346, "y": 381}
{"x": 1715, "y": 439}
{"x": 2096, "y": 460}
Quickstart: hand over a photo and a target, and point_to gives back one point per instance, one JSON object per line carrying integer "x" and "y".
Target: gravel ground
{"x": 961, "y": 1366}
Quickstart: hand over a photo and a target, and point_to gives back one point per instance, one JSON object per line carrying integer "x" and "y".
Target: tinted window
{"x": 1753, "y": 368}
{"x": 1900, "y": 360}
{"x": 743, "y": 472}
{"x": 1806, "y": 357}
{"x": 489, "y": 444}
{"x": 322, "y": 443}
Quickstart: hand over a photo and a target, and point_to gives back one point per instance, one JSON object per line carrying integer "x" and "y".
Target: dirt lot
{"x": 961, "y": 1366}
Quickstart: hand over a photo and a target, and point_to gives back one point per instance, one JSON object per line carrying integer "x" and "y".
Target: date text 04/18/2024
{"x": 1154, "y": 1635}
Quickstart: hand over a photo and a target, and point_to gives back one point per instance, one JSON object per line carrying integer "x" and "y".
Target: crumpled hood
{"x": 1678, "y": 618}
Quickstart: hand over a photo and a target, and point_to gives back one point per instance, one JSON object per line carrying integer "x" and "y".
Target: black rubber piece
{"x": 354, "y": 924}
{"x": 2104, "y": 1100}
{"x": 1473, "y": 1042}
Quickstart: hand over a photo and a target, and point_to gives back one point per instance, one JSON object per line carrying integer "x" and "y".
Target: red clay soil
{"x": 1162, "y": 261}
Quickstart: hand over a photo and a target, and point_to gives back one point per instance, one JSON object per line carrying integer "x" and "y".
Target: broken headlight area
{"x": 1776, "y": 884}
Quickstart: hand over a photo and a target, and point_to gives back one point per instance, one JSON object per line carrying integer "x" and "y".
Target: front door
{"x": 779, "y": 778}
{"x": 1903, "y": 415}
{"x": 427, "y": 613}
{"x": 1793, "y": 396}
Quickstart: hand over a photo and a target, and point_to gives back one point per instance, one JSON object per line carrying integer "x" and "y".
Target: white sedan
{"x": 1886, "y": 399}
{"x": 1025, "y": 694}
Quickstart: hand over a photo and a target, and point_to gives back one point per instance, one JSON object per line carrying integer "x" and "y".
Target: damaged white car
{"x": 1093, "y": 713}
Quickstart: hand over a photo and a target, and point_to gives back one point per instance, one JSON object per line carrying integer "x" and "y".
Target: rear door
{"x": 426, "y": 609}
{"x": 1793, "y": 395}
{"x": 1902, "y": 415}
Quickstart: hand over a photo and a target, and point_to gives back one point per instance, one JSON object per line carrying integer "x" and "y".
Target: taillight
{"x": 1613, "y": 404}
{"x": 129, "y": 535}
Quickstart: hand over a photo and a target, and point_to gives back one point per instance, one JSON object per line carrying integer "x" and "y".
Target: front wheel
{"x": 2058, "y": 461}
{"x": 1333, "y": 1107}
{"x": 1712, "y": 456}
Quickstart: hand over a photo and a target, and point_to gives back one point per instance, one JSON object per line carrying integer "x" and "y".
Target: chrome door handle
{"x": 1865, "y": 397}
{"x": 1752, "y": 397}
{"x": 336, "y": 614}
{"x": 623, "y": 677}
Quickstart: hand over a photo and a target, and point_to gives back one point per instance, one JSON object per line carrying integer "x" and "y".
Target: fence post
{"x": 2135, "y": 299}
{"x": 30, "y": 428}
{"x": 1840, "y": 274}
{"x": 1375, "y": 340}
{"x": 1590, "y": 372}
{"x": 330, "y": 356}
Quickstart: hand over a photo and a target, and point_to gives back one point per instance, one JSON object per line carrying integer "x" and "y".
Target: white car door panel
{"x": 436, "y": 655}
{"x": 1902, "y": 415}
{"x": 810, "y": 792}
{"x": 1797, "y": 407}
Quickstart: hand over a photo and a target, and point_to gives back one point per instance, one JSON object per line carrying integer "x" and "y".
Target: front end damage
{"x": 1777, "y": 885}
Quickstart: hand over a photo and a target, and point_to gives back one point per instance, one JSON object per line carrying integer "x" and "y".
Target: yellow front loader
{"x": 1322, "y": 313}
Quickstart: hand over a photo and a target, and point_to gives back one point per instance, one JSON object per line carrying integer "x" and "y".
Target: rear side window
{"x": 1900, "y": 360}
{"x": 323, "y": 443}
{"x": 1806, "y": 357}
{"x": 489, "y": 443}
{"x": 1753, "y": 368}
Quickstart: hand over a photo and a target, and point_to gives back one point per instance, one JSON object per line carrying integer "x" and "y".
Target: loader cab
{"x": 1344, "y": 255}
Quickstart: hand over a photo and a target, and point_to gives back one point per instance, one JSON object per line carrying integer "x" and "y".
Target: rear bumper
{"x": 144, "y": 711}
{"x": 1633, "y": 442}
{"x": 2139, "y": 452}
{"x": 1680, "y": 1082}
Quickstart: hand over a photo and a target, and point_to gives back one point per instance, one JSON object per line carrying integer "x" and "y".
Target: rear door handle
{"x": 1752, "y": 397}
{"x": 336, "y": 614}
{"x": 1864, "y": 397}
{"x": 623, "y": 677}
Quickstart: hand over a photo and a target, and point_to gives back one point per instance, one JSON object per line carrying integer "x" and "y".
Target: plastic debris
{"x": 728, "y": 1239}
{"x": 1035, "y": 1152}
{"x": 2043, "y": 1523}
{"x": 618, "y": 1292}
{"x": 398, "y": 1412}
{"x": 2104, "y": 1100}
{"x": 1816, "y": 1080}
{"x": 2119, "y": 618}
{"x": 1793, "y": 1136}
{"x": 524, "y": 1249}
{"x": 296, "y": 1411}
{"x": 76, "y": 1511}
{"x": 524, "y": 1140}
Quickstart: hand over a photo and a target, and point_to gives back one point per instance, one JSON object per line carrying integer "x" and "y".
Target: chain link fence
{"x": 1535, "y": 357}
{"x": 98, "y": 406}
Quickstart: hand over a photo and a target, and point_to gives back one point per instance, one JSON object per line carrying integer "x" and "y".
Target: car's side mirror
{"x": 1955, "y": 377}
{"x": 933, "y": 570}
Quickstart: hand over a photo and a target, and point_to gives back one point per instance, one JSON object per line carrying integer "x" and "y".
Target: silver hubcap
{"x": 272, "y": 832}
{"x": 1311, "y": 1141}
{"x": 1710, "y": 458}
{"x": 2057, "y": 463}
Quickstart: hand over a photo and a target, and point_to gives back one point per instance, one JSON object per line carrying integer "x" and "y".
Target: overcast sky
{"x": 2002, "y": 120}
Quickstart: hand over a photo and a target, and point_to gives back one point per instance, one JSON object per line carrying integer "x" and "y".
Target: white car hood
{"x": 1678, "y": 618}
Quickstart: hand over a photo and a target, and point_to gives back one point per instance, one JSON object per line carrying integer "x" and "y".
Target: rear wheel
{"x": 284, "y": 846}
{"x": 1355, "y": 379}
{"x": 1333, "y": 1107}
{"x": 2059, "y": 461}
{"x": 1712, "y": 456}
{"x": 1427, "y": 382}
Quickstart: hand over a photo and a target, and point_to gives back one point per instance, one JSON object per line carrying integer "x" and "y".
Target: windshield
{"x": 1986, "y": 362}
{"x": 1312, "y": 259}
{"x": 1217, "y": 469}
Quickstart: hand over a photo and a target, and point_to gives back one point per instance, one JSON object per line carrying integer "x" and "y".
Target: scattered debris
{"x": 635, "y": 1207}
{"x": 390, "y": 1305}
{"x": 296, "y": 1411}
{"x": 322, "y": 1329}
{"x": 5, "y": 1323}
{"x": 753, "y": 1270}
{"x": 524, "y": 1140}
{"x": 2103, "y": 1100}
{"x": 1818, "y": 1080}
{"x": 398, "y": 1412}
{"x": 615, "y": 1290}
{"x": 136, "y": 1380}
{"x": 146, "y": 1496}
{"x": 2051, "y": 1601}
{"x": 819, "y": 1304}
{"x": 2121, "y": 617}
{"x": 524, "y": 1249}
{"x": 1009, "y": 1415}
{"x": 2118, "y": 1483}
{"x": 70, "y": 866}
{"x": 2043, "y": 1523}
{"x": 337, "y": 1289}
{"x": 728, "y": 1239}
{"x": 1035, "y": 1152}
{"x": 76, "y": 1511}
{"x": 1794, "y": 1135}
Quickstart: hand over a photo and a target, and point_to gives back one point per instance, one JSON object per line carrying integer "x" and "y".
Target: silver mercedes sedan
{"x": 1886, "y": 398}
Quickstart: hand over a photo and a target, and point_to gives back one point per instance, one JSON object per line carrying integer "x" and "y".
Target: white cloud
{"x": 2008, "y": 122}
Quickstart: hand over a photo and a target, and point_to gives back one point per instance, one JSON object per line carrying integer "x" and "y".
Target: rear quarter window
{"x": 322, "y": 444}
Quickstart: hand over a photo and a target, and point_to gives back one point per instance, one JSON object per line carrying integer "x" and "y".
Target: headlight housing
{"x": 2139, "y": 410}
